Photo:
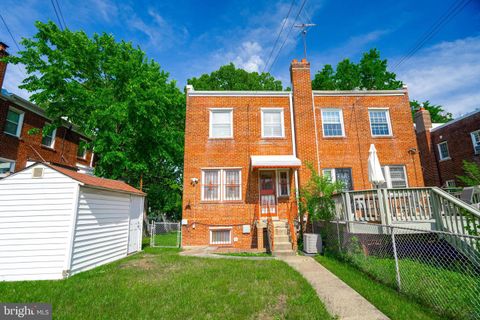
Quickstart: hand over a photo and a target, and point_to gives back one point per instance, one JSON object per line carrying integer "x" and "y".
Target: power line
{"x": 61, "y": 14}
{"x": 278, "y": 36}
{"x": 289, "y": 31}
{"x": 10, "y": 33}
{"x": 56, "y": 13}
{"x": 451, "y": 12}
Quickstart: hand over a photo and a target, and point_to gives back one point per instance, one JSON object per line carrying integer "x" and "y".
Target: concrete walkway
{"x": 339, "y": 299}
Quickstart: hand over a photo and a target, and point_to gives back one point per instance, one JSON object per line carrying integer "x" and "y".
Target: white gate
{"x": 135, "y": 227}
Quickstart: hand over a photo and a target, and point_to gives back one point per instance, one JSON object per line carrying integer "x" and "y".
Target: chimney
{"x": 304, "y": 117}
{"x": 3, "y": 65}
{"x": 423, "y": 121}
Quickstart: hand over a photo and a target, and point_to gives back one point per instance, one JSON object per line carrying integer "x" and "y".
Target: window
{"x": 221, "y": 236}
{"x": 450, "y": 183}
{"x": 232, "y": 185}
{"x": 6, "y": 167}
{"x": 82, "y": 149}
{"x": 221, "y": 123}
{"x": 283, "y": 183}
{"x": 272, "y": 123}
{"x": 48, "y": 140}
{"x": 221, "y": 184}
{"x": 443, "y": 151}
{"x": 14, "y": 122}
{"x": 476, "y": 141}
{"x": 343, "y": 175}
{"x": 395, "y": 177}
{"x": 380, "y": 122}
{"x": 332, "y": 120}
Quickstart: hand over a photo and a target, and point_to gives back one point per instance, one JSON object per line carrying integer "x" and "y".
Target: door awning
{"x": 275, "y": 162}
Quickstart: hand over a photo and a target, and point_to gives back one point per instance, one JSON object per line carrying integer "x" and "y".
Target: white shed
{"x": 55, "y": 222}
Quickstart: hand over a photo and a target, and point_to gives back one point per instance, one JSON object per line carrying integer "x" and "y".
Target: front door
{"x": 268, "y": 200}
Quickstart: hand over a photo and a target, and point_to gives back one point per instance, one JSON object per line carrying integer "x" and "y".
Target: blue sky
{"x": 189, "y": 38}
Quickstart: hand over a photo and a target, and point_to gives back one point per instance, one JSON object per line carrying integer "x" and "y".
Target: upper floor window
{"x": 332, "y": 121}
{"x": 6, "y": 167}
{"x": 443, "y": 151}
{"x": 476, "y": 141}
{"x": 48, "y": 140}
{"x": 221, "y": 123}
{"x": 272, "y": 123}
{"x": 82, "y": 149}
{"x": 221, "y": 184}
{"x": 380, "y": 122}
{"x": 14, "y": 122}
{"x": 395, "y": 177}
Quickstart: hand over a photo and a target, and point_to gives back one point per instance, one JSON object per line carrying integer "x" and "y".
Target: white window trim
{"x": 387, "y": 177}
{"x": 52, "y": 144}
{"x": 12, "y": 166}
{"x": 84, "y": 157}
{"x": 440, "y": 156}
{"x": 449, "y": 182}
{"x": 472, "y": 135}
{"x": 220, "y": 229}
{"x": 20, "y": 122}
{"x": 278, "y": 183}
{"x": 389, "y": 122}
{"x": 282, "y": 122}
{"x": 212, "y": 110}
{"x": 222, "y": 184}
{"x": 341, "y": 122}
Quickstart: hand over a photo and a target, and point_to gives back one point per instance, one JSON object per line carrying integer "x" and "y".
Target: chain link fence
{"x": 438, "y": 269}
{"x": 165, "y": 234}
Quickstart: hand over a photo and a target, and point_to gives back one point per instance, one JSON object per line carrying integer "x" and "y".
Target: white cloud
{"x": 248, "y": 57}
{"x": 446, "y": 74}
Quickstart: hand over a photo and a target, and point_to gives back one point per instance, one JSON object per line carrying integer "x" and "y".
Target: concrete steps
{"x": 282, "y": 242}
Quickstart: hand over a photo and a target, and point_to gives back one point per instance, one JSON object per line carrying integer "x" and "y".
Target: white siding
{"x": 36, "y": 217}
{"x": 101, "y": 231}
{"x": 136, "y": 224}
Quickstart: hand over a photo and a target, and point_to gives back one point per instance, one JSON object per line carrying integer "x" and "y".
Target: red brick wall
{"x": 351, "y": 151}
{"x": 29, "y": 147}
{"x": 460, "y": 147}
{"x": 423, "y": 124}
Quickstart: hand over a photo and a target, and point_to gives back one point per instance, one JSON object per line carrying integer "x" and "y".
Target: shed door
{"x": 135, "y": 232}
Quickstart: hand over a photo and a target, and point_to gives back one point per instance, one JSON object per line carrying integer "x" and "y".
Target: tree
{"x": 472, "y": 174}
{"x": 437, "y": 113}
{"x": 124, "y": 101}
{"x": 370, "y": 74}
{"x": 228, "y": 77}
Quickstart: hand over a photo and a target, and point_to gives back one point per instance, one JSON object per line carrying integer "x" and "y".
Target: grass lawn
{"x": 386, "y": 299}
{"x": 168, "y": 239}
{"x": 160, "y": 284}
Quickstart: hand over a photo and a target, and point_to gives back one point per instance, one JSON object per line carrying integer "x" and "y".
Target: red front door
{"x": 268, "y": 199}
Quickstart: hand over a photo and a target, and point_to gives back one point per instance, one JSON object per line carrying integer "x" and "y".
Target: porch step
{"x": 284, "y": 253}
{"x": 280, "y": 246}
{"x": 281, "y": 231}
{"x": 281, "y": 238}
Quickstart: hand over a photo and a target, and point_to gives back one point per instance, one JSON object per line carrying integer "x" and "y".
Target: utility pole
{"x": 304, "y": 27}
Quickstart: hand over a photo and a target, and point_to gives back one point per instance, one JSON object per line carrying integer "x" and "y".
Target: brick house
{"x": 19, "y": 148}
{"x": 443, "y": 147}
{"x": 246, "y": 153}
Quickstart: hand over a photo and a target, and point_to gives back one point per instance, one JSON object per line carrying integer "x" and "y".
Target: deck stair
{"x": 282, "y": 239}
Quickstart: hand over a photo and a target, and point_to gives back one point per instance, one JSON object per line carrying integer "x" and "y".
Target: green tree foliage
{"x": 124, "y": 101}
{"x": 370, "y": 73}
{"x": 437, "y": 113}
{"x": 472, "y": 174}
{"x": 228, "y": 77}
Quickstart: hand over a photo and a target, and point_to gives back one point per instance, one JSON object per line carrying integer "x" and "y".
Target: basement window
{"x": 221, "y": 236}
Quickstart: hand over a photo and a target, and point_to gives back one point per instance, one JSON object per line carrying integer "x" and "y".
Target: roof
{"x": 276, "y": 161}
{"x": 95, "y": 182}
{"x": 354, "y": 93}
{"x": 455, "y": 120}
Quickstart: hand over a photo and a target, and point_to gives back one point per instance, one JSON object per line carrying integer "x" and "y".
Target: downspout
{"x": 316, "y": 132}
{"x": 294, "y": 145}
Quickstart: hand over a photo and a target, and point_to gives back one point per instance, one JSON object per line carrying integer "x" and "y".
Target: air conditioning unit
{"x": 37, "y": 173}
{"x": 312, "y": 243}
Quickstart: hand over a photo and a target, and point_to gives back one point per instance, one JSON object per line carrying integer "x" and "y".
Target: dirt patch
{"x": 146, "y": 262}
{"x": 274, "y": 311}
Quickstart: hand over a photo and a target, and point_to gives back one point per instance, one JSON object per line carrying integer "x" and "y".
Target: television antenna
{"x": 305, "y": 27}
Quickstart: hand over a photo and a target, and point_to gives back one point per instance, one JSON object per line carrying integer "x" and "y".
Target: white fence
{"x": 165, "y": 234}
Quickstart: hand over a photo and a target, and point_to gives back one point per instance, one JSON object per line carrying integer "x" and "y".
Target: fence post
{"x": 152, "y": 233}
{"x": 397, "y": 268}
{"x": 348, "y": 206}
{"x": 338, "y": 238}
{"x": 179, "y": 230}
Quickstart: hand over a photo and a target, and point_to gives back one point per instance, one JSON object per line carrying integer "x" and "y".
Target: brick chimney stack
{"x": 423, "y": 121}
{"x": 3, "y": 65}
{"x": 304, "y": 117}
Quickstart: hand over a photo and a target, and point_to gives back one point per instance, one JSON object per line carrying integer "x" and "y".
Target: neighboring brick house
{"x": 246, "y": 153}
{"x": 443, "y": 147}
{"x": 19, "y": 148}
